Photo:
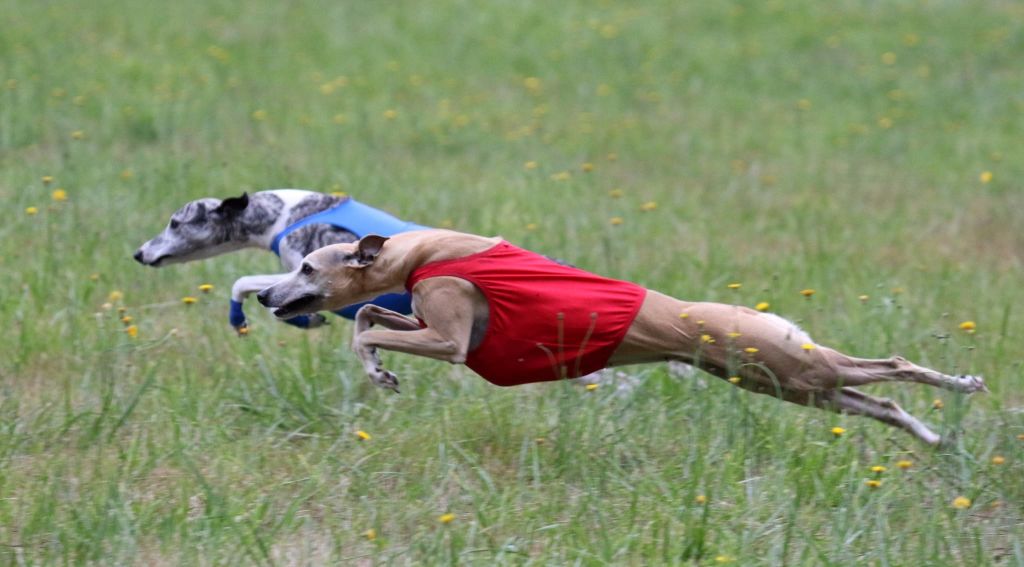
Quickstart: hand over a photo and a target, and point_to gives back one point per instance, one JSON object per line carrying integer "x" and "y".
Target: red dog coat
{"x": 547, "y": 321}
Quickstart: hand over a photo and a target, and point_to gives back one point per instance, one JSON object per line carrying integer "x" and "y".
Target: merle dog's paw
{"x": 384, "y": 379}
{"x": 317, "y": 320}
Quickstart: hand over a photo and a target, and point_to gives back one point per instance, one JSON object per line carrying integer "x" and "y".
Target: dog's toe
{"x": 972, "y": 383}
{"x": 384, "y": 379}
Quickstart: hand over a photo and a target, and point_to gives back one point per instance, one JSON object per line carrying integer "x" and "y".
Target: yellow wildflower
{"x": 59, "y": 195}
{"x": 911, "y": 39}
{"x": 1020, "y": 437}
{"x": 863, "y": 297}
{"x": 587, "y": 167}
{"x": 78, "y": 135}
{"x": 889, "y": 58}
{"x": 684, "y": 315}
{"x": 206, "y": 288}
{"x": 735, "y": 285}
{"x": 127, "y": 174}
{"x": 47, "y": 179}
{"x": 937, "y": 403}
{"x": 94, "y": 277}
{"x": 530, "y": 165}
{"x": 242, "y": 331}
{"x": 750, "y": 350}
{"x": 734, "y": 379}
{"x": 132, "y": 330}
{"x": 127, "y": 319}
{"x": 188, "y": 300}
{"x": 807, "y": 292}
{"x": 968, "y": 326}
{"x": 904, "y": 464}
{"x": 339, "y": 118}
{"x": 808, "y": 346}
{"x": 724, "y": 559}
{"x": 985, "y": 177}
{"x": 734, "y": 335}
{"x": 648, "y": 206}
{"x": 370, "y": 534}
{"x": 616, "y": 221}
{"x": 998, "y": 460}
{"x": 838, "y": 431}
{"x": 259, "y": 115}
{"x": 531, "y": 226}
{"x": 878, "y": 469}
{"x": 873, "y": 483}
{"x": 362, "y": 435}
{"x": 885, "y": 122}
{"x": 763, "y": 306}
{"x": 961, "y": 502}
{"x": 591, "y": 387}
{"x": 561, "y": 176}
{"x": 707, "y": 339}
{"x": 803, "y": 104}
{"x": 616, "y": 193}
{"x": 446, "y": 518}
{"x": 701, "y": 499}
{"x": 390, "y": 114}
{"x": 115, "y": 296}
{"x": 612, "y": 156}
{"x": 31, "y": 211}
{"x": 532, "y": 84}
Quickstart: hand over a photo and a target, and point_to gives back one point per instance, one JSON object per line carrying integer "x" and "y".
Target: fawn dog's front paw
{"x": 384, "y": 378}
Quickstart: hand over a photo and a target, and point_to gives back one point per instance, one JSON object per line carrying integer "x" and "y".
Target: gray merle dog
{"x": 290, "y": 222}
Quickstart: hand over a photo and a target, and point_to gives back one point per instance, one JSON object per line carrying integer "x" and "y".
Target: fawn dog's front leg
{"x": 367, "y": 317}
{"x": 447, "y": 311}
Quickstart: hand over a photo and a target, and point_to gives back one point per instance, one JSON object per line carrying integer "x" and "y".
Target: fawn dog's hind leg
{"x": 852, "y": 371}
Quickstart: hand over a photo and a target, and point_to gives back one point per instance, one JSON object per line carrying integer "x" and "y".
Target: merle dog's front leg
{"x": 248, "y": 285}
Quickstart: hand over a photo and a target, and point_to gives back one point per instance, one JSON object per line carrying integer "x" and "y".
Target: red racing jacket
{"x": 547, "y": 321}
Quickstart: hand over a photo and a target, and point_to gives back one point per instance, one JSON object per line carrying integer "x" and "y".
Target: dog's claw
{"x": 385, "y": 379}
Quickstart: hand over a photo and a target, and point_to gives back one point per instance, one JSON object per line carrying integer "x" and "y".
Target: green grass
{"x": 787, "y": 145}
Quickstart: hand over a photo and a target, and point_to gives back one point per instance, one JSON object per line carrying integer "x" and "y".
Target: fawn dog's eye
{"x": 306, "y": 269}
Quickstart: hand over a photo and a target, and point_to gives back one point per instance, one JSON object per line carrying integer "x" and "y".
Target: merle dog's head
{"x": 201, "y": 229}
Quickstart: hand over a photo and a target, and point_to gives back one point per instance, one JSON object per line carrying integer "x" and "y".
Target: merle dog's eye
{"x": 306, "y": 269}
{"x": 174, "y": 224}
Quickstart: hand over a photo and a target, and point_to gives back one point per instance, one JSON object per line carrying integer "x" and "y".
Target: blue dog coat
{"x": 361, "y": 220}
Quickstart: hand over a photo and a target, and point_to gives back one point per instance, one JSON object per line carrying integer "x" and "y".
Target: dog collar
{"x": 353, "y": 216}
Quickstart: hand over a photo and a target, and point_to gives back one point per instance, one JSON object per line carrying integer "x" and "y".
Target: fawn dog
{"x": 516, "y": 317}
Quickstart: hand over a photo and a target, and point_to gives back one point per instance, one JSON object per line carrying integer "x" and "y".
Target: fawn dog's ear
{"x": 367, "y": 250}
{"x": 233, "y": 205}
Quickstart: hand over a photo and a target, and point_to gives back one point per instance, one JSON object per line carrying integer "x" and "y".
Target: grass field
{"x": 853, "y": 148}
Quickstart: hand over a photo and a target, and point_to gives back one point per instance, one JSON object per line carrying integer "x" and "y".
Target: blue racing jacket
{"x": 361, "y": 220}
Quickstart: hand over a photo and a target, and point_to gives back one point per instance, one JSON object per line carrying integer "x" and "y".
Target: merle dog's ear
{"x": 368, "y": 249}
{"x": 233, "y": 205}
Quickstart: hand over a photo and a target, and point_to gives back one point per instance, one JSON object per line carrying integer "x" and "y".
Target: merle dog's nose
{"x": 138, "y": 256}
{"x": 262, "y": 297}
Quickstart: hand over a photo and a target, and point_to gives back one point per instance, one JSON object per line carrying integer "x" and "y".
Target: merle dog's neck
{"x": 270, "y": 212}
